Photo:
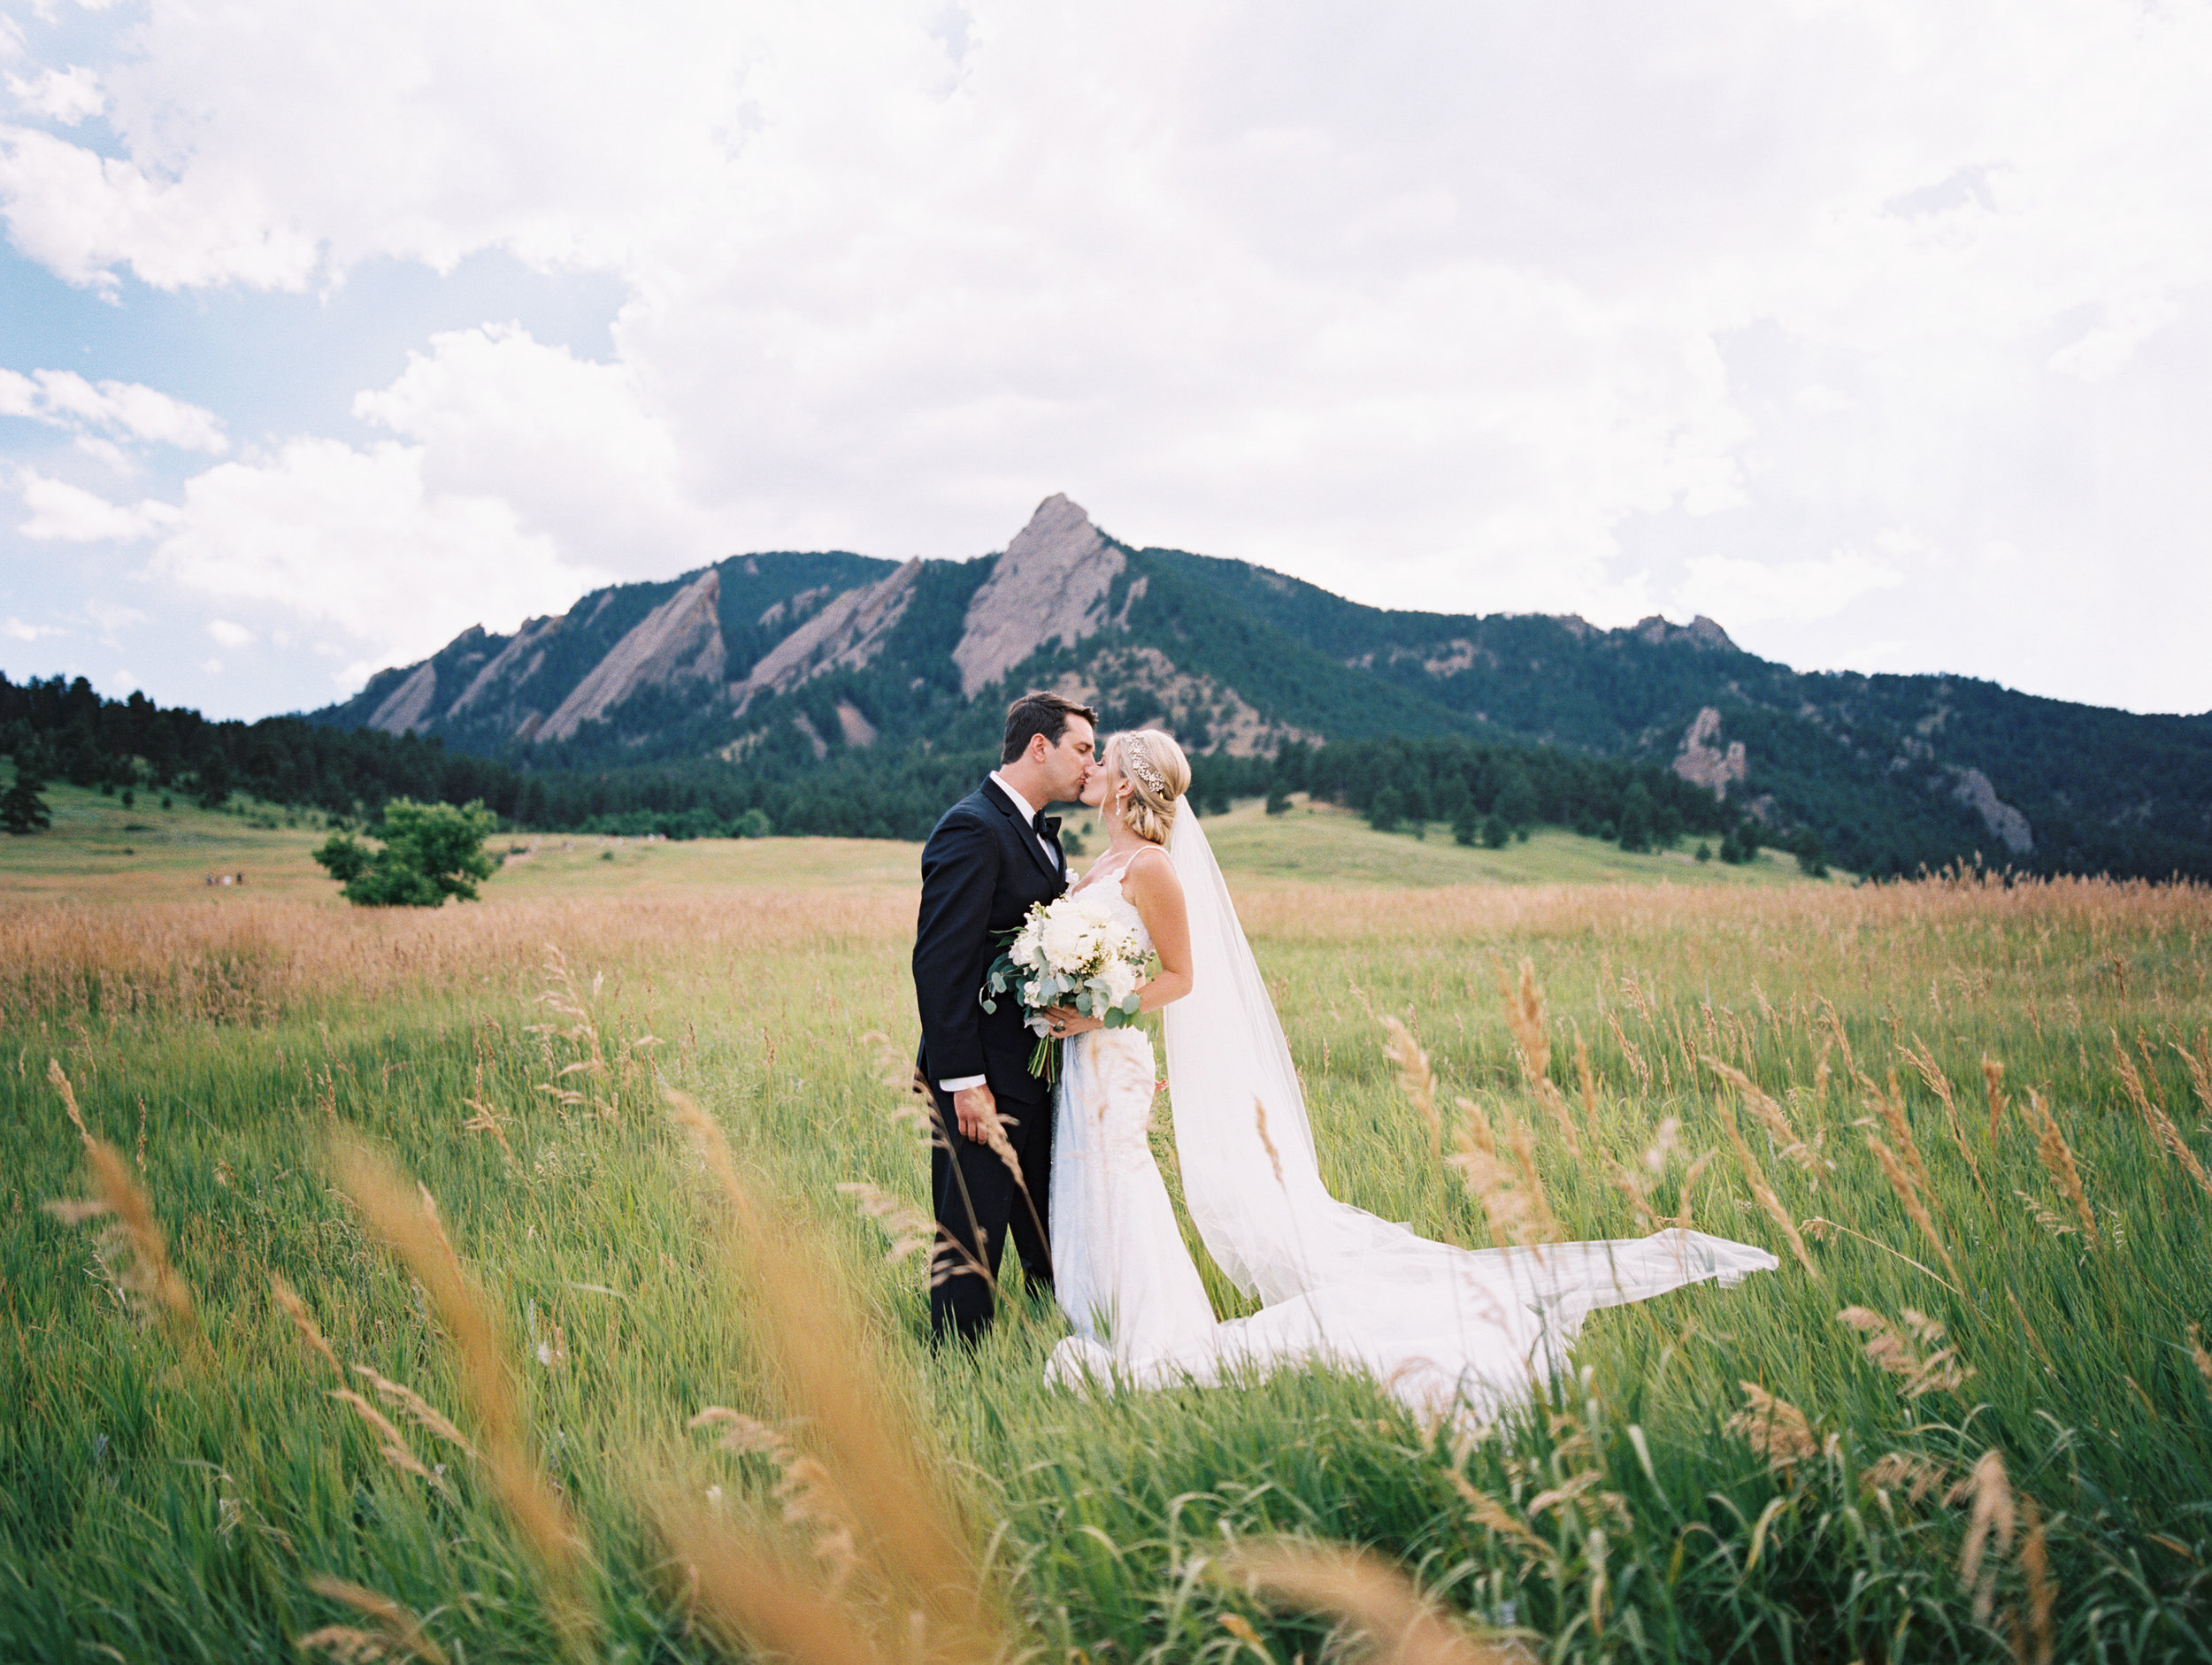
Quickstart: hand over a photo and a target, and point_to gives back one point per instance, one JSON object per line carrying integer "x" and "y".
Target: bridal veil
{"x": 1437, "y": 1323}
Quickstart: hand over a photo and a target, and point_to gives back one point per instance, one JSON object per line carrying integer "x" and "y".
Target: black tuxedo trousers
{"x": 982, "y": 870}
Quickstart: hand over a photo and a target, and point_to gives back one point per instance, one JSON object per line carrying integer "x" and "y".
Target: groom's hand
{"x": 975, "y": 1107}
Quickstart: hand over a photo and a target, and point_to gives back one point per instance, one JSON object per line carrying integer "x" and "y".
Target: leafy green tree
{"x": 23, "y": 806}
{"x": 1466, "y": 825}
{"x": 1385, "y": 811}
{"x": 1278, "y": 801}
{"x": 1496, "y": 833}
{"x": 754, "y": 824}
{"x": 1704, "y": 851}
{"x": 1812, "y": 854}
{"x": 431, "y": 851}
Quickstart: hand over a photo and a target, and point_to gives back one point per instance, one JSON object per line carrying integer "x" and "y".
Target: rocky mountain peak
{"x": 1700, "y": 631}
{"x": 1051, "y": 584}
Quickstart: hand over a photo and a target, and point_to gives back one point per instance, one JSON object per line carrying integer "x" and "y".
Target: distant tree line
{"x": 1479, "y": 791}
{"x": 1490, "y": 792}
{"x": 58, "y": 730}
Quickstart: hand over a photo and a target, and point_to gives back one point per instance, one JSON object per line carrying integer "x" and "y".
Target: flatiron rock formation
{"x": 679, "y": 641}
{"x": 847, "y": 634}
{"x": 1051, "y": 585}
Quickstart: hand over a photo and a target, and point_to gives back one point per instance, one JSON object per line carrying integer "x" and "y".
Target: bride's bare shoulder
{"x": 1150, "y": 867}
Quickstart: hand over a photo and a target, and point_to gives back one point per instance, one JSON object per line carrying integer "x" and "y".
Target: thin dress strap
{"x": 1097, "y": 875}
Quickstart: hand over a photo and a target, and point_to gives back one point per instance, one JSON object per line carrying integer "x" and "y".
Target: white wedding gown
{"x": 1448, "y": 1330}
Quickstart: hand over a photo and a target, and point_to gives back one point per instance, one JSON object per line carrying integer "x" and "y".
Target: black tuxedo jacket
{"x": 981, "y": 871}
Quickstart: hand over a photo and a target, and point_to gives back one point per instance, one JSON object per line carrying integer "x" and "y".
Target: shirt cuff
{"x": 961, "y": 1083}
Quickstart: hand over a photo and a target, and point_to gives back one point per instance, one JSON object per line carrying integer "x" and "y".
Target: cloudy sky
{"x": 1880, "y": 332}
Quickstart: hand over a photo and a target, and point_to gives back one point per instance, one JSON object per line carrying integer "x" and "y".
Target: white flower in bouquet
{"x": 1069, "y": 941}
{"x": 1121, "y": 979}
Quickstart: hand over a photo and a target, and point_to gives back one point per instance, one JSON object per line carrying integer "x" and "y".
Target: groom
{"x": 993, "y": 855}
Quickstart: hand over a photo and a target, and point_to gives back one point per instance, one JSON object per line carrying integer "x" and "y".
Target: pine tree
{"x": 23, "y": 806}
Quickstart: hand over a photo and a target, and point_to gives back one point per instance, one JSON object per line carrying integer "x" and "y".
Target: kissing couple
{"x": 1065, "y": 1167}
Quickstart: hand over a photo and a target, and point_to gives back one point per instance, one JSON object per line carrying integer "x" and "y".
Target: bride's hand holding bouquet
{"x": 1073, "y": 964}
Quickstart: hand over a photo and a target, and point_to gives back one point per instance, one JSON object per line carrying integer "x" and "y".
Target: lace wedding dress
{"x": 1446, "y": 1329}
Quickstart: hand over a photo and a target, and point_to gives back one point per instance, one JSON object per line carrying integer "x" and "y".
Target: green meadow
{"x": 1971, "y": 1116}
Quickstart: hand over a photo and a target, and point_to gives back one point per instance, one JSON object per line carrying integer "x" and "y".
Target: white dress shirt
{"x": 1028, "y": 813}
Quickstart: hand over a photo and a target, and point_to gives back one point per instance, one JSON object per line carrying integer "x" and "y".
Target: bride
{"x": 1443, "y": 1328}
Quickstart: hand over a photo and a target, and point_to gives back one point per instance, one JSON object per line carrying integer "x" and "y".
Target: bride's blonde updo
{"x": 1157, "y": 773}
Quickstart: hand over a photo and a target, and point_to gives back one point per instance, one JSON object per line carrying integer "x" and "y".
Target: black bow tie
{"x": 1048, "y": 826}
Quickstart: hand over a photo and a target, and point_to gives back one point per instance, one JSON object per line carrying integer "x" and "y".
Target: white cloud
{"x": 16, "y": 630}
{"x": 66, "y": 96}
{"x": 82, "y": 214}
{"x": 358, "y": 540}
{"x": 107, "y": 453}
{"x": 569, "y": 443}
{"x": 61, "y": 512}
{"x": 1471, "y": 308}
{"x": 66, "y": 399}
{"x": 229, "y": 635}
{"x": 111, "y": 619}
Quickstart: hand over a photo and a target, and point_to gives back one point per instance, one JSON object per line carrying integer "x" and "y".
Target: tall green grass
{"x": 162, "y": 1503}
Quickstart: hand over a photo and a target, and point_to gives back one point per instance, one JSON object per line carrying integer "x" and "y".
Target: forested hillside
{"x": 833, "y": 693}
{"x": 838, "y": 691}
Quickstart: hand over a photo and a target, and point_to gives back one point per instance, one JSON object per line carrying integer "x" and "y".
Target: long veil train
{"x": 1438, "y": 1324}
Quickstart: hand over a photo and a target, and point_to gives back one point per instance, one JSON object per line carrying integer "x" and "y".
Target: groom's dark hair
{"x": 1040, "y": 713}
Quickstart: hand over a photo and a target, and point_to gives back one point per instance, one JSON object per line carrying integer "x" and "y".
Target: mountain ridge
{"x": 776, "y": 661}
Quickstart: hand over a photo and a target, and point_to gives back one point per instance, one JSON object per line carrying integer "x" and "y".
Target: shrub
{"x": 431, "y": 851}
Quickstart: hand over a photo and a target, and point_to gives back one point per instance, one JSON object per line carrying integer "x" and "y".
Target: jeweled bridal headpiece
{"x": 1144, "y": 769}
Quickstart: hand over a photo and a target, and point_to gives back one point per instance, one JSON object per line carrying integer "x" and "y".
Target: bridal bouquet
{"x": 1076, "y": 951}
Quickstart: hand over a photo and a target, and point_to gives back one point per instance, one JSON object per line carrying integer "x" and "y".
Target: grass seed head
{"x": 398, "y": 1635}
{"x": 1415, "y": 1077}
{"x": 1367, "y": 1593}
{"x": 910, "y": 1230}
{"x": 911, "y": 1534}
{"x": 1764, "y": 1194}
{"x": 1895, "y": 1346}
{"x": 2161, "y": 1125}
{"x": 418, "y": 1410}
{"x": 1773, "y": 1427}
{"x": 302, "y": 1321}
{"x": 1918, "y": 1478}
{"x": 391, "y": 1443}
{"x": 132, "y": 1249}
{"x": 1992, "y": 1521}
{"x": 1900, "y": 1182}
{"x": 2057, "y": 1157}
